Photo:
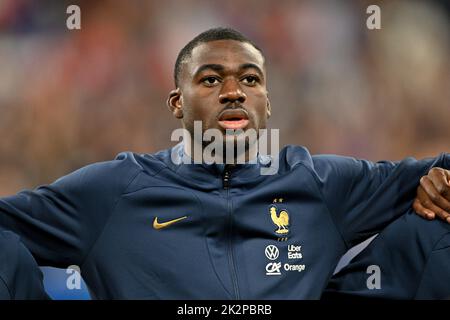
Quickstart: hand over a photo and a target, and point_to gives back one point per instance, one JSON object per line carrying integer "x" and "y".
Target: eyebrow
{"x": 220, "y": 68}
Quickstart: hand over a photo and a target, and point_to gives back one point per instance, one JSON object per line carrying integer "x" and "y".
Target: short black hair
{"x": 213, "y": 34}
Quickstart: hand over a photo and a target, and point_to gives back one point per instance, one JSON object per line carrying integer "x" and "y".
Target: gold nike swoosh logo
{"x": 157, "y": 225}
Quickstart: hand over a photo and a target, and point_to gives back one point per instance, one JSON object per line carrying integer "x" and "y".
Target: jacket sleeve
{"x": 60, "y": 222}
{"x": 363, "y": 197}
{"x": 411, "y": 256}
{"x": 20, "y": 277}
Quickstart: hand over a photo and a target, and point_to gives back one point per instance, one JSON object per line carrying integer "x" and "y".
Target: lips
{"x": 233, "y": 119}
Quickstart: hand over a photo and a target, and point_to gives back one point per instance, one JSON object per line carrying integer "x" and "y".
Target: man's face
{"x": 222, "y": 84}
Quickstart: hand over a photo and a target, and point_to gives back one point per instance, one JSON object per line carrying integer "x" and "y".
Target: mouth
{"x": 233, "y": 119}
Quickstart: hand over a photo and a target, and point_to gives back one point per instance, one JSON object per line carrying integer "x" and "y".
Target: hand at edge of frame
{"x": 433, "y": 195}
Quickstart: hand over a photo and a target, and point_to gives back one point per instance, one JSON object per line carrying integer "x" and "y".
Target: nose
{"x": 231, "y": 92}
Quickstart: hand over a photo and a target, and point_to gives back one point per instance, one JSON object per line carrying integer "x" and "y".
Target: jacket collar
{"x": 180, "y": 162}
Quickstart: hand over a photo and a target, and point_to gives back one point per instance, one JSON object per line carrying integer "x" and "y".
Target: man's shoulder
{"x": 295, "y": 155}
{"x": 116, "y": 173}
{"x": 143, "y": 161}
{"x": 131, "y": 163}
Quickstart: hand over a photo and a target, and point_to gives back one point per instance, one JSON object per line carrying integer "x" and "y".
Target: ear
{"x": 269, "y": 108}
{"x": 175, "y": 104}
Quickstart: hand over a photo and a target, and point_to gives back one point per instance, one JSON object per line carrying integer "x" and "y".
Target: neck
{"x": 220, "y": 153}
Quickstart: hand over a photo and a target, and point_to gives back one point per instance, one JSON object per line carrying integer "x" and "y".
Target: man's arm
{"x": 363, "y": 197}
{"x": 60, "y": 222}
{"x": 20, "y": 277}
{"x": 409, "y": 259}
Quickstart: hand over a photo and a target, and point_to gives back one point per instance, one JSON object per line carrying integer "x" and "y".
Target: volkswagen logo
{"x": 271, "y": 252}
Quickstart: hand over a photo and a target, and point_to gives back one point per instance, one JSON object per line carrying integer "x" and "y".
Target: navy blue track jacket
{"x": 412, "y": 257}
{"x": 20, "y": 277}
{"x": 141, "y": 226}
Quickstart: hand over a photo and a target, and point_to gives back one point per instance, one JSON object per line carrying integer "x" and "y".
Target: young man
{"x": 152, "y": 226}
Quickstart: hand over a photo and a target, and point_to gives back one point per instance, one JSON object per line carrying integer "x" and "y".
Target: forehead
{"x": 229, "y": 53}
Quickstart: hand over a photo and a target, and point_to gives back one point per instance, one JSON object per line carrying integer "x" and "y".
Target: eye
{"x": 251, "y": 80}
{"x": 210, "y": 81}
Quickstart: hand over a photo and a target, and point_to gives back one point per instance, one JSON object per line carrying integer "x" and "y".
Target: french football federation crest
{"x": 280, "y": 218}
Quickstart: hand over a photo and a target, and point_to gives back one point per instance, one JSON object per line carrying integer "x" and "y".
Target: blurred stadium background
{"x": 69, "y": 98}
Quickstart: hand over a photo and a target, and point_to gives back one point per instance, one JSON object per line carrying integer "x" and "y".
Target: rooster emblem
{"x": 281, "y": 220}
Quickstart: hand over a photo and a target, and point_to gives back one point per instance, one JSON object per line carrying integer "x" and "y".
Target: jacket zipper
{"x": 226, "y": 186}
